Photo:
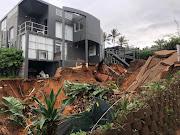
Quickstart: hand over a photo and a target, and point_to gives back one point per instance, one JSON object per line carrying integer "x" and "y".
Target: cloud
{"x": 141, "y": 21}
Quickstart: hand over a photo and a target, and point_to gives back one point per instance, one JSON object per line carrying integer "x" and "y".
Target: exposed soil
{"x": 25, "y": 89}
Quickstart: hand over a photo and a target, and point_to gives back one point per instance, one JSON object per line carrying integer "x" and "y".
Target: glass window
{"x": 78, "y": 26}
{"x": 11, "y": 33}
{"x": 43, "y": 55}
{"x": 3, "y": 25}
{"x": 58, "y": 47}
{"x": 68, "y": 32}
{"x": 92, "y": 50}
{"x": 81, "y": 26}
{"x": 68, "y": 16}
{"x": 58, "y": 29}
{"x": 59, "y": 12}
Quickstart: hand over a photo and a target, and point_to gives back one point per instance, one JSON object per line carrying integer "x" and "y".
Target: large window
{"x": 68, "y": 32}
{"x": 11, "y": 33}
{"x": 58, "y": 29}
{"x": 59, "y": 12}
{"x": 40, "y": 43}
{"x": 92, "y": 50}
{"x": 58, "y": 48}
{"x": 43, "y": 55}
{"x": 68, "y": 16}
{"x": 78, "y": 26}
{"x": 3, "y": 25}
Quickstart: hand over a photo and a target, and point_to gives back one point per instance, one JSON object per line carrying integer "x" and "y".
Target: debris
{"x": 58, "y": 73}
{"x": 164, "y": 53}
{"x": 117, "y": 92}
{"x": 171, "y": 59}
{"x": 31, "y": 92}
{"x": 136, "y": 64}
{"x": 101, "y": 77}
{"x": 40, "y": 81}
{"x": 84, "y": 67}
{"x": 102, "y": 68}
{"x": 154, "y": 69}
{"x": 21, "y": 91}
{"x": 13, "y": 90}
{"x": 114, "y": 72}
{"x": 43, "y": 75}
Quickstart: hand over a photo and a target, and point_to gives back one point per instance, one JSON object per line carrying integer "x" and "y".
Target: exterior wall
{"x": 78, "y": 48}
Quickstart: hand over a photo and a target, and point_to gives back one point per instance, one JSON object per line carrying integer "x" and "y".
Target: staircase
{"x": 118, "y": 55}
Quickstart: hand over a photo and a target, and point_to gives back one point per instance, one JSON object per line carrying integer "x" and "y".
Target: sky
{"x": 141, "y": 21}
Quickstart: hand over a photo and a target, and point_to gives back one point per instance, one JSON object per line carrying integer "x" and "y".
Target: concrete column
{"x": 26, "y": 61}
{"x": 63, "y": 37}
{"x": 86, "y": 51}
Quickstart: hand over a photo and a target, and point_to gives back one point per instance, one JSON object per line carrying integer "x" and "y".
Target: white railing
{"x": 32, "y": 26}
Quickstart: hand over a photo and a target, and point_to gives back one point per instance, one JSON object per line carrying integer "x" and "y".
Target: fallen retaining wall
{"x": 160, "y": 117}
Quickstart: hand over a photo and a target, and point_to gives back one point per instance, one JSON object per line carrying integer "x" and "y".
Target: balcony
{"x": 33, "y": 27}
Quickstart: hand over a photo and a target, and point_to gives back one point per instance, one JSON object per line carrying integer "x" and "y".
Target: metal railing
{"x": 32, "y": 26}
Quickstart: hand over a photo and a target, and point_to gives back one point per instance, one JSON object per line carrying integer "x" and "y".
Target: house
{"x": 51, "y": 37}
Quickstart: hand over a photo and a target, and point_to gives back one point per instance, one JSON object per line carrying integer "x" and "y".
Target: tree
{"x": 171, "y": 43}
{"x": 10, "y": 61}
{"x": 122, "y": 41}
{"x": 114, "y": 34}
{"x": 160, "y": 43}
{"x": 106, "y": 38}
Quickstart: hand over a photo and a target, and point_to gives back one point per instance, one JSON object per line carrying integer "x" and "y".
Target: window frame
{"x": 79, "y": 26}
{"x": 60, "y": 29}
{"x": 11, "y": 35}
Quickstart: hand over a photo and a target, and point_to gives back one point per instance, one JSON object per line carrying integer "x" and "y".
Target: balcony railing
{"x": 32, "y": 26}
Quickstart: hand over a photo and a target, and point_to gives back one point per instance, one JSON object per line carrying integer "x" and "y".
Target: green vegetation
{"x": 14, "y": 109}
{"x": 93, "y": 90}
{"x": 79, "y": 133}
{"x": 10, "y": 62}
{"x": 107, "y": 127}
{"x": 144, "y": 54}
{"x": 47, "y": 116}
{"x": 121, "y": 108}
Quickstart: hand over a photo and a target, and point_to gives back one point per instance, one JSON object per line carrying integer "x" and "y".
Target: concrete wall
{"x": 12, "y": 22}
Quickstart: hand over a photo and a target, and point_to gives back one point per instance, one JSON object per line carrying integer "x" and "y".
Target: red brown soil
{"x": 129, "y": 79}
{"x": 35, "y": 87}
{"x": 118, "y": 68}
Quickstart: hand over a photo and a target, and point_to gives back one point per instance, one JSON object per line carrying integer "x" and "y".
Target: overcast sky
{"x": 140, "y": 21}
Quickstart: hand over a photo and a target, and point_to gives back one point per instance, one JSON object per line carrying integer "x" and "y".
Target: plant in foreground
{"x": 47, "y": 116}
{"x": 79, "y": 133}
{"x": 14, "y": 109}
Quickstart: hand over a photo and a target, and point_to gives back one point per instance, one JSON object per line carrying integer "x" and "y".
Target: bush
{"x": 15, "y": 109}
{"x": 47, "y": 116}
{"x": 171, "y": 43}
{"x": 144, "y": 54}
{"x": 10, "y": 61}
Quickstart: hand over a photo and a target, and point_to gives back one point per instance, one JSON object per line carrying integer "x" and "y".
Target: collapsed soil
{"x": 23, "y": 90}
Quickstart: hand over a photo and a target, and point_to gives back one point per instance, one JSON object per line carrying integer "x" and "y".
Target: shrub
{"x": 144, "y": 54}
{"x": 15, "y": 109}
{"x": 47, "y": 116}
{"x": 10, "y": 61}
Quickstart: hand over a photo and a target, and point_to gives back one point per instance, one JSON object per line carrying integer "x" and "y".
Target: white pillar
{"x": 178, "y": 52}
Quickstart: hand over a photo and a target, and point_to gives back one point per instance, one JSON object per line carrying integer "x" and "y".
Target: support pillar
{"x": 63, "y": 38}
{"x": 26, "y": 59}
{"x": 86, "y": 51}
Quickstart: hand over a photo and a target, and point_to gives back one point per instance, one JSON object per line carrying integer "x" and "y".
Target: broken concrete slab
{"x": 170, "y": 61}
{"x": 164, "y": 53}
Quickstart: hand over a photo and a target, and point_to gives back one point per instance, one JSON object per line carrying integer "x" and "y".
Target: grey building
{"x": 51, "y": 37}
